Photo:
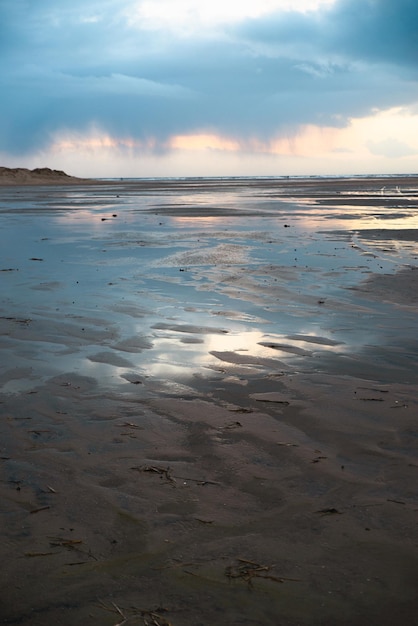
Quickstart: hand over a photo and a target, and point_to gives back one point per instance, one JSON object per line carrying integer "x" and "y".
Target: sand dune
{"x": 37, "y": 176}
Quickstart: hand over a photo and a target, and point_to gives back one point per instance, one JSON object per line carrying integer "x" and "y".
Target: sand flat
{"x": 208, "y": 402}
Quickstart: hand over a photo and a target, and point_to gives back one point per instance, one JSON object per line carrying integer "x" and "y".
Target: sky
{"x": 122, "y": 88}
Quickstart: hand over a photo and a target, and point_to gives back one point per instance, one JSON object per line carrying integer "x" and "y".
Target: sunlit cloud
{"x": 175, "y": 14}
{"x": 309, "y": 140}
{"x": 392, "y": 133}
{"x": 203, "y": 142}
{"x": 384, "y": 142}
{"x": 97, "y": 141}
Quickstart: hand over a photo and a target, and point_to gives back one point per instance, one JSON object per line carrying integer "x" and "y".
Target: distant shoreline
{"x": 47, "y": 176}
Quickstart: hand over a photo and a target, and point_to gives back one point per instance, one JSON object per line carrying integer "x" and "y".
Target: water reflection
{"x": 157, "y": 286}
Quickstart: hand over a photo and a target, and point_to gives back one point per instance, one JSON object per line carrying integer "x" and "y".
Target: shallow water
{"x": 164, "y": 278}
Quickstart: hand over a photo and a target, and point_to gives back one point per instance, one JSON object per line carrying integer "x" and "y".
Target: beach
{"x": 209, "y": 393}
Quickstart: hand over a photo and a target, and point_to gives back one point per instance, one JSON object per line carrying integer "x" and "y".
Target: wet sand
{"x": 208, "y": 402}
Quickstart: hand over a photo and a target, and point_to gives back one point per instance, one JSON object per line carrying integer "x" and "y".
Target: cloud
{"x": 391, "y": 148}
{"x": 377, "y": 31}
{"x": 66, "y": 69}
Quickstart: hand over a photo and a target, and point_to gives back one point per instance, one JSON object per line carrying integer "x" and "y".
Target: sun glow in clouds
{"x": 98, "y": 140}
{"x": 384, "y": 142}
{"x": 203, "y": 142}
{"x": 186, "y": 13}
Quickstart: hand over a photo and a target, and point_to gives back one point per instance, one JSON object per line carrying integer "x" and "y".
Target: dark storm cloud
{"x": 68, "y": 68}
{"x": 377, "y": 30}
{"x": 382, "y": 31}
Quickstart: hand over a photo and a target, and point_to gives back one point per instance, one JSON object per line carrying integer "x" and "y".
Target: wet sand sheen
{"x": 209, "y": 422}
